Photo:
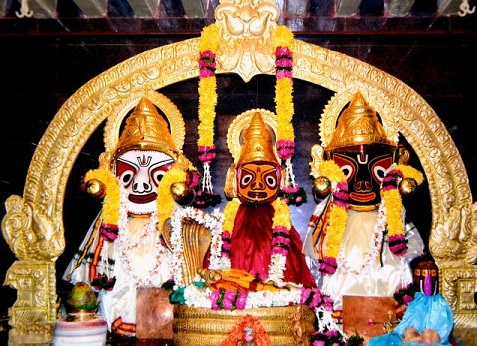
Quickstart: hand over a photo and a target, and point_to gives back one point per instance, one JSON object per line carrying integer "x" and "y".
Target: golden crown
{"x": 357, "y": 125}
{"x": 257, "y": 142}
{"x": 146, "y": 129}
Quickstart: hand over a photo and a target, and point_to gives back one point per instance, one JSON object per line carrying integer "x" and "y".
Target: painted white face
{"x": 140, "y": 172}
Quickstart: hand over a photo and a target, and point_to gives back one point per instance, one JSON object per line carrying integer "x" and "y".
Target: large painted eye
{"x": 380, "y": 167}
{"x": 246, "y": 179}
{"x": 347, "y": 170}
{"x": 125, "y": 172}
{"x": 271, "y": 180}
{"x": 159, "y": 172}
{"x": 347, "y": 165}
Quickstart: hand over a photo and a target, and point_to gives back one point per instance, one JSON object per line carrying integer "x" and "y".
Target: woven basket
{"x": 205, "y": 327}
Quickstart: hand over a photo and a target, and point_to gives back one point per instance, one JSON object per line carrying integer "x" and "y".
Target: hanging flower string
{"x": 208, "y": 45}
{"x": 393, "y": 205}
{"x": 230, "y": 213}
{"x": 338, "y": 215}
{"x": 283, "y": 45}
{"x": 280, "y": 242}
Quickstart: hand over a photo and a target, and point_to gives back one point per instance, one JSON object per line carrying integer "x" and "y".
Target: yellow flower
{"x": 207, "y": 103}
{"x": 112, "y": 196}
{"x": 165, "y": 201}
{"x": 209, "y": 38}
{"x": 282, "y": 214}
{"x": 284, "y": 109}
{"x": 393, "y": 206}
{"x": 410, "y": 172}
{"x": 283, "y": 37}
{"x": 230, "y": 212}
{"x": 332, "y": 171}
{"x": 334, "y": 233}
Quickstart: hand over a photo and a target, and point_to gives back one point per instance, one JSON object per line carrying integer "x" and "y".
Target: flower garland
{"x": 283, "y": 46}
{"x": 110, "y": 212}
{"x": 282, "y": 42}
{"x": 228, "y": 299}
{"x": 338, "y": 214}
{"x": 208, "y": 44}
{"x": 165, "y": 201}
{"x": 389, "y": 218}
{"x": 280, "y": 242}
{"x": 391, "y": 198}
{"x": 200, "y": 295}
{"x": 374, "y": 247}
{"x": 230, "y": 213}
{"x": 129, "y": 246}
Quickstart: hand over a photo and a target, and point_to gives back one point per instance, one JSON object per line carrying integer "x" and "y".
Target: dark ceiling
{"x": 205, "y": 8}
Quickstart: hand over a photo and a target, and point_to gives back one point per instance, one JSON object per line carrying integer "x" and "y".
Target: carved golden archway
{"x": 33, "y": 225}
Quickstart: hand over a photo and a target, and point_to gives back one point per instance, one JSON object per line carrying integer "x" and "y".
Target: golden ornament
{"x": 407, "y": 186}
{"x": 322, "y": 186}
{"x": 181, "y": 193}
{"x": 96, "y": 188}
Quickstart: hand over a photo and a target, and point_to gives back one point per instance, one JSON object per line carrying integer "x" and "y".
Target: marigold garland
{"x": 282, "y": 42}
{"x": 208, "y": 44}
{"x": 112, "y": 197}
{"x": 165, "y": 201}
{"x": 282, "y": 214}
{"x": 230, "y": 212}
{"x": 391, "y": 204}
{"x": 392, "y": 200}
{"x": 410, "y": 172}
{"x": 338, "y": 214}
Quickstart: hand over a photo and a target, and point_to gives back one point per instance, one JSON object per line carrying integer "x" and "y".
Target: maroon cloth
{"x": 251, "y": 241}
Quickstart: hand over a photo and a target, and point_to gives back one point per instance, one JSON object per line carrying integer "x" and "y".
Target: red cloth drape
{"x": 250, "y": 245}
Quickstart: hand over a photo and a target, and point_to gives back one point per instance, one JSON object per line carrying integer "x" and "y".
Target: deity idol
{"x": 358, "y": 236}
{"x": 125, "y": 249}
{"x": 258, "y": 233}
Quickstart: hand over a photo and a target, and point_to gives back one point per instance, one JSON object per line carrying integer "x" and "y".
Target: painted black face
{"x": 364, "y": 167}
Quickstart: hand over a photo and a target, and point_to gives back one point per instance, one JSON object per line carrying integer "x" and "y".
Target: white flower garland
{"x": 127, "y": 246}
{"x": 276, "y": 269}
{"x": 211, "y": 221}
{"x": 199, "y": 297}
{"x": 375, "y": 244}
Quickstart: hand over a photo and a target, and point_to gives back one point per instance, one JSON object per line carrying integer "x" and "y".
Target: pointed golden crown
{"x": 358, "y": 125}
{"x": 257, "y": 142}
{"x": 146, "y": 129}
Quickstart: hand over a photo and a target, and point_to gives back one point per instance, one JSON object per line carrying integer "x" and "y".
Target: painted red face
{"x": 258, "y": 182}
{"x": 139, "y": 172}
{"x": 364, "y": 169}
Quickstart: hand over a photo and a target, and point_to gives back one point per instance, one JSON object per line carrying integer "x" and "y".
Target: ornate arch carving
{"x": 33, "y": 225}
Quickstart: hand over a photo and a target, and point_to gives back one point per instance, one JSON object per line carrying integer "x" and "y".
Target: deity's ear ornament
{"x": 144, "y": 129}
{"x": 359, "y": 125}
